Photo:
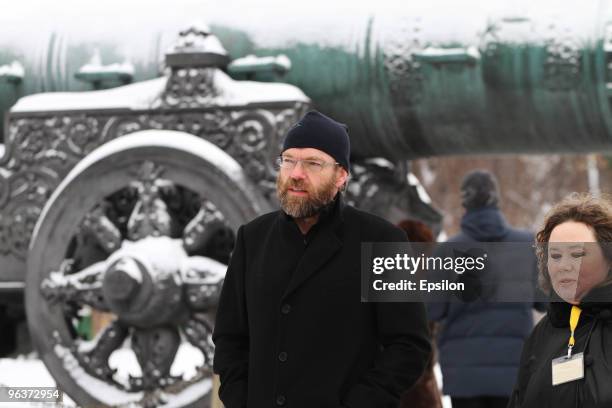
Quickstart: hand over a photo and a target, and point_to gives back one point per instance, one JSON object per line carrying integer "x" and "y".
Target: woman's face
{"x": 576, "y": 263}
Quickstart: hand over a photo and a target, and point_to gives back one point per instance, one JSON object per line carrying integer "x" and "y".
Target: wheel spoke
{"x": 150, "y": 216}
{"x": 155, "y": 350}
{"x": 93, "y": 356}
{"x": 83, "y": 287}
{"x": 199, "y": 333}
{"x": 207, "y": 222}
{"x": 202, "y": 281}
{"x": 103, "y": 230}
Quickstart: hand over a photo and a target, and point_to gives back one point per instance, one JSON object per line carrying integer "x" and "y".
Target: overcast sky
{"x": 27, "y": 23}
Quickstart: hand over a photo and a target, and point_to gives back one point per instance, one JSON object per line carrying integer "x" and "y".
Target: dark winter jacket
{"x": 480, "y": 342}
{"x": 549, "y": 340}
{"x": 291, "y": 329}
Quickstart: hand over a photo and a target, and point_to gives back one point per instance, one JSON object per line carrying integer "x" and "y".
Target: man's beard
{"x": 304, "y": 207}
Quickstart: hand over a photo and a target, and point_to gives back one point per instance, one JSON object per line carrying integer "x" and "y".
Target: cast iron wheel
{"x": 121, "y": 235}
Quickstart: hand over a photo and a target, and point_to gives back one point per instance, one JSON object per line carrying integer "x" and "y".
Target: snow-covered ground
{"x": 29, "y": 371}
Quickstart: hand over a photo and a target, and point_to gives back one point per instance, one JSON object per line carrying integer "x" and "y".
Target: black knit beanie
{"x": 479, "y": 189}
{"x": 318, "y": 131}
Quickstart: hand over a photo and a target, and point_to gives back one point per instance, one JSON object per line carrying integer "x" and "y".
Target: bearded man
{"x": 291, "y": 329}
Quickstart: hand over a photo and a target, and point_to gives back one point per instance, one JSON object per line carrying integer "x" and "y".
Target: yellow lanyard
{"x": 574, "y": 317}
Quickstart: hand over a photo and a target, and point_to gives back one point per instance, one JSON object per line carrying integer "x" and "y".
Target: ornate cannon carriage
{"x": 125, "y": 201}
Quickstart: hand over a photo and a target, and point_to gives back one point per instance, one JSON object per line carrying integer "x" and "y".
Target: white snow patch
{"x": 125, "y": 362}
{"x": 145, "y": 95}
{"x": 250, "y": 92}
{"x": 195, "y": 42}
{"x": 29, "y": 372}
{"x": 155, "y": 253}
{"x": 414, "y": 181}
{"x": 138, "y": 96}
{"x": 250, "y": 60}
{"x": 23, "y": 372}
{"x": 450, "y": 52}
{"x": 14, "y": 69}
{"x": 381, "y": 162}
{"x": 95, "y": 66}
{"x": 188, "y": 358}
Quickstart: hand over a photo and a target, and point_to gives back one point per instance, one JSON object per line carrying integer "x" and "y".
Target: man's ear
{"x": 341, "y": 180}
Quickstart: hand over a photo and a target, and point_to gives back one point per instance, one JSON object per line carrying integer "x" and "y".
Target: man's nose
{"x": 298, "y": 171}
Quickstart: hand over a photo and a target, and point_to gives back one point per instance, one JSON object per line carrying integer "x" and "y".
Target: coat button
{"x": 286, "y": 308}
{"x": 280, "y": 400}
{"x": 282, "y": 356}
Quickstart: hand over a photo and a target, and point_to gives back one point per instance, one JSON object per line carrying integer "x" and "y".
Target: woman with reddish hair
{"x": 567, "y": 360}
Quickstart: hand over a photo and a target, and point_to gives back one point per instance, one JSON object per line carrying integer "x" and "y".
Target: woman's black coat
{"x": 291, "y": 329}
{"x": 549, "y": 340}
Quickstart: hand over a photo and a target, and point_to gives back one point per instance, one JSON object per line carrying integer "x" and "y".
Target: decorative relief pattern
{"x": 403, "y": 70}
{"x": 41, "y": 150}
{"x": 190, "y": 88}
{"x": 81, "y": 134}
{"x": 563, "y": 66}
{"x": 19, "y": 228}
{"x": 4, "y": 189}
{"x": 44, "y": 149}
{"x": 33, "y": 141}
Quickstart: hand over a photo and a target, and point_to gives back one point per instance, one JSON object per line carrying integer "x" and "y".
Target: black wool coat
{"x": 291, "y": 330}
{"x": 549, "y": 340}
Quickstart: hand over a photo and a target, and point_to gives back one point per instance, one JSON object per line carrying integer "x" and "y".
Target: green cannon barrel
{"x": 410, "y": 81}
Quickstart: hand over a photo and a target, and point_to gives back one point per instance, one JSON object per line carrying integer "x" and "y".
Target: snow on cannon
{"x": 124, "y": 204}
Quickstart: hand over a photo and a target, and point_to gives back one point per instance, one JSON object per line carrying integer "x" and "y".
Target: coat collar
{"x": 597, "y": 304}
{"x": 322, "y": 242}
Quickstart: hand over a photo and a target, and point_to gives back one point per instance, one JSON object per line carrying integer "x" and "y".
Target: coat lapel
{"x": 321, "y": 249}
{"x": 317, "y": 254}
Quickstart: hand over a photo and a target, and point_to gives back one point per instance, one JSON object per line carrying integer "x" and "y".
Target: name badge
{"x": 566, "y": 369}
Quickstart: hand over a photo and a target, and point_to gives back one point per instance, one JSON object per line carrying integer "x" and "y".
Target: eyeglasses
{"x": 310, "y": 166}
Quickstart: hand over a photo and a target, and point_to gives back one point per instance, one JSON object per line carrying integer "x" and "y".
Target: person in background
{"x": 480, "y": 342}
{"x": 567, "y": 360}
{"x": 425, "y": 393}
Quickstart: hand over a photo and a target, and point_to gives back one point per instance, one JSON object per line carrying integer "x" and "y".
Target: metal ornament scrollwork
{"x": 19, "y": 228}
{"x": 34, "y": 141}
{"x": 404, "y": 72}
{"x": 26, "y": 191}
{"x": 4, "y": 245}
{"x": 82, "y": 134}
{"x": 32, "y": 185}
{"x": 563, "y": 66}
{"x": 4, "y": 189}
{"x": 190, "y": 88}
{"x": 49, "y": 147}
